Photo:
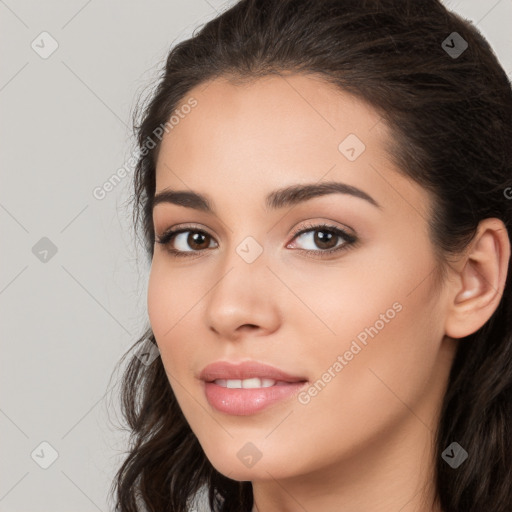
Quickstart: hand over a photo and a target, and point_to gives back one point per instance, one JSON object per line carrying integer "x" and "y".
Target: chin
{"x": 236, "y": 468}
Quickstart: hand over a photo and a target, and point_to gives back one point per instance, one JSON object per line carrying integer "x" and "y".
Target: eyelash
{"x": 350, "y": 240}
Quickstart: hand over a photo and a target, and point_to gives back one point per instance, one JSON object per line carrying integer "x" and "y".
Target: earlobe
{"x": 479, "y": 286}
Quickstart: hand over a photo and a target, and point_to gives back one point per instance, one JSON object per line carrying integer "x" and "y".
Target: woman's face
{"x": 362, "y": 324}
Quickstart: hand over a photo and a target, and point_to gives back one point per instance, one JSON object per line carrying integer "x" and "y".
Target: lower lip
{"x": 243, "y": 402}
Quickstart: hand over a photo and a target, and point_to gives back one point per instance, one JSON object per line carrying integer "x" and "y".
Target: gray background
{"x": 67, "y": 318}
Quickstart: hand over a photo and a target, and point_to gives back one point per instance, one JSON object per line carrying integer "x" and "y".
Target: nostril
{"x": 248, "y": 326}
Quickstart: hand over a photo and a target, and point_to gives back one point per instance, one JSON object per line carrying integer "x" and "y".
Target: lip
{"x": 246, "y": 401}
{"x": 246, "y": 370}
{"x": 243, "y": 402}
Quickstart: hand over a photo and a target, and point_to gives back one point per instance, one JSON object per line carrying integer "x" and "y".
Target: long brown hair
{"x": 450, "y": 111}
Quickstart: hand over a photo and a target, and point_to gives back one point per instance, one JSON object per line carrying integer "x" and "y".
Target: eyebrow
{"x": 280, "y": 198}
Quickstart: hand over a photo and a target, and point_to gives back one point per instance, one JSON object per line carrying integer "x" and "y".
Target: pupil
{"x": 195, "y": 236}
{"x": 322, "y": 236}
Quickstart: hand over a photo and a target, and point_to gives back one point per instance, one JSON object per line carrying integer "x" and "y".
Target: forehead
{"x": 302, "y": 109}
{"x": 275, "y": 131}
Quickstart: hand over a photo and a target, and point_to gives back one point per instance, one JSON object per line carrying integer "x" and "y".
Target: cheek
{"x": 385, "y": 323}
{"x": 170, "y": 295}
{"x": 167, "y": 305}
{"x": 171, "y": 298}
{"x": 376, "y": 385}
{"x": 388, "y": 353}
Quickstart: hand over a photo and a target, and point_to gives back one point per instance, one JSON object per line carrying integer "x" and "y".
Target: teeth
{"x": 245, "y": 383}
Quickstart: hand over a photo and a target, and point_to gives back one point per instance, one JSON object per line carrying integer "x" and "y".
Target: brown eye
{"x": 197, "y": 240}
{"x": 324, "y": 239}
{"x": 185, "y": 241}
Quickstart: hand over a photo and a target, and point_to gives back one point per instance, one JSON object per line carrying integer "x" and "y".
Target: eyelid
{"x": 183, "y": 227}
{"x": 312, "y": 225}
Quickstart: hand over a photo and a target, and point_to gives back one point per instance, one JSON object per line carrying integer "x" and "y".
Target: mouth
{"x": 253, "y": 383}
{"x": 248, "y": 388}
{"x": 245, "y": 401}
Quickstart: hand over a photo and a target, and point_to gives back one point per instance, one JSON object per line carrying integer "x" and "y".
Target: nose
{"x": 244, "y": 298}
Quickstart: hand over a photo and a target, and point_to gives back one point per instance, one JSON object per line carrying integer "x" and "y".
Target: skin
{"x": 364, "y": 442}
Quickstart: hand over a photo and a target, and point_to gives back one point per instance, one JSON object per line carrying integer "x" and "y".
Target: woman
{"x": 325, "y": 195}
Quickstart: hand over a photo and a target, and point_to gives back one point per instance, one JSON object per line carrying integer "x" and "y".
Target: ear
{"x": 480, "y": 279}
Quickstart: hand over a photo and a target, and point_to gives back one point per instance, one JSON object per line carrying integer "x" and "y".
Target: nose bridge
{"x": 244, "y": 268}
{"x": 247, "y": 242}
{"x": 241, "y": 293}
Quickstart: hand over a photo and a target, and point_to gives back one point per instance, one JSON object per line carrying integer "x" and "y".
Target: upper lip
{"x": 245, "y": 370}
